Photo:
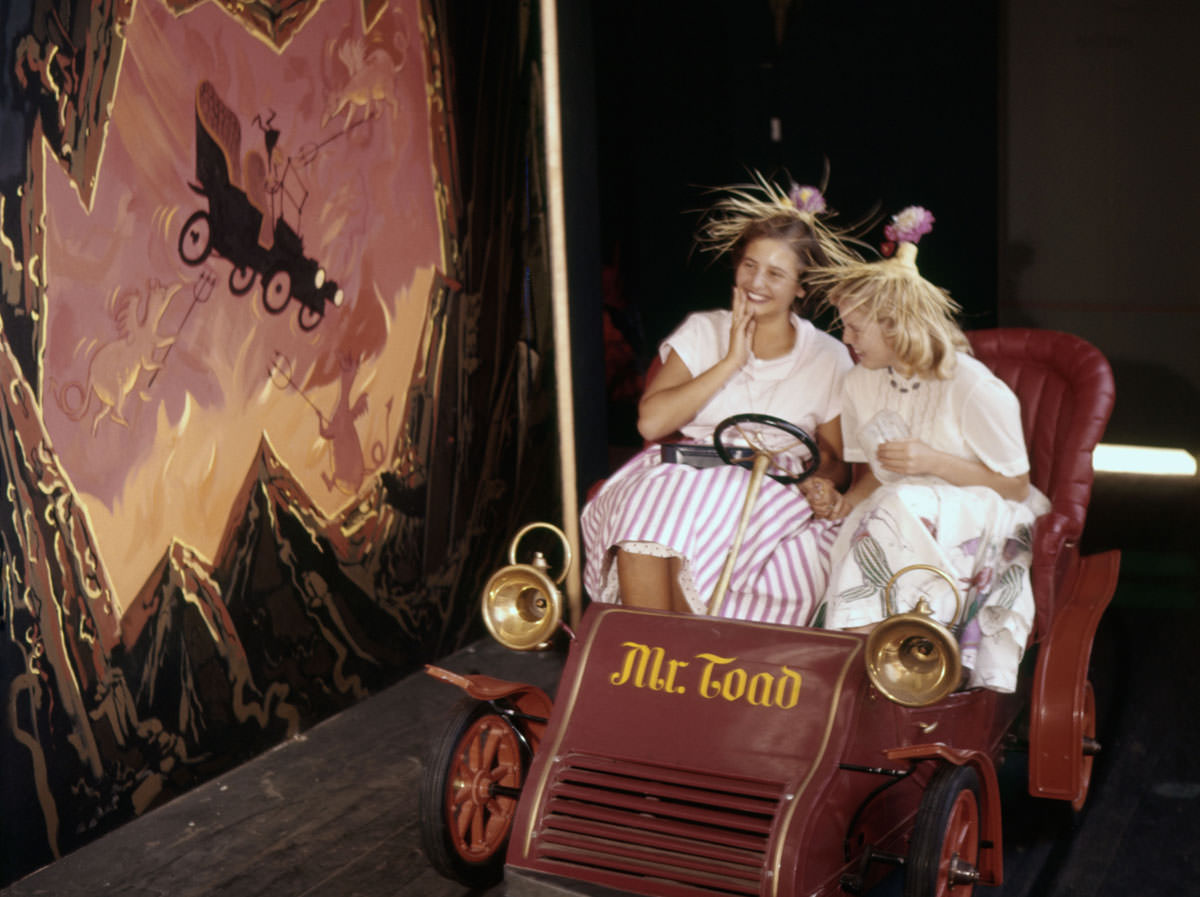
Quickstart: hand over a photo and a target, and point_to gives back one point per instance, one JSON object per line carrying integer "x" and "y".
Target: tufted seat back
{"x": 1065, "y": 387}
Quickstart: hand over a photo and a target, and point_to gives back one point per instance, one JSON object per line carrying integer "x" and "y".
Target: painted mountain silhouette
{"x": 297, "y": 616}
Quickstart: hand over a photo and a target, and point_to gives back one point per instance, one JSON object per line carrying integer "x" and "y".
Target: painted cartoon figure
{"x": 347, "y": 464}
{"x": 345, "y": 447}
{"x": 234, "y": 225}
{"x": 370, "y": 84}
{"x": 114, "y": 369}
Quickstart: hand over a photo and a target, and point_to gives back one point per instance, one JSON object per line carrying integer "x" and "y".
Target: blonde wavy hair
{"x": 763, "y": 209}
{"x": 917, "y": 319}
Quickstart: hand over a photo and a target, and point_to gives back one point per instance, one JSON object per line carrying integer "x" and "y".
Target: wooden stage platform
{"x": 334, "y": 810}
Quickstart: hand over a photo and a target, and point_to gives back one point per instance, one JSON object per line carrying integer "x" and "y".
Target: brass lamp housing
{"x": 912, "y": 658}
{"x": 522, "y": 605}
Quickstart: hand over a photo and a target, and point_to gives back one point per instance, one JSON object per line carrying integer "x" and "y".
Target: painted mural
{"x": 272, "y": 346}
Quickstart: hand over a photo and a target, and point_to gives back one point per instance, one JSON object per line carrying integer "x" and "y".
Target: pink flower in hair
{"x": 909, "y": 225}
{"x": 807, "y": 199}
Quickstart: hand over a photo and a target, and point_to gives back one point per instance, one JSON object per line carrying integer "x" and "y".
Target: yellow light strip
{"x": 1143, "y": 459}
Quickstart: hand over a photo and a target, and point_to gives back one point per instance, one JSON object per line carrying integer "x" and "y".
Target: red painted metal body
{"x": 688, "y": 755}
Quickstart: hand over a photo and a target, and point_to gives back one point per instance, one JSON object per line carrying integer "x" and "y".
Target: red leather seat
{"x": 1066, "y": 390}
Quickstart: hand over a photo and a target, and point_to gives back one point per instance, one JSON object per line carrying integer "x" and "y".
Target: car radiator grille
{"x": 706, "y": 834}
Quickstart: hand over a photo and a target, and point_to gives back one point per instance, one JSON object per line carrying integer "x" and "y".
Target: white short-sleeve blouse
{"x": 972, "y": 415}
{"x": 803, "y": 387}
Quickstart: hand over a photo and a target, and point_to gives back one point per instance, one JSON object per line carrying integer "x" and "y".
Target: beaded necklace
{"x": 910, "y": 385}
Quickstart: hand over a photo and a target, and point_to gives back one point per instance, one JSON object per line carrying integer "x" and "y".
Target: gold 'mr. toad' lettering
{"x": 720, "y": 677}
{"x": 787, "y": 692}
{"x": 708, "y": 688}
{"x": 638, "y": 658}
{"x": 761, "y": 690}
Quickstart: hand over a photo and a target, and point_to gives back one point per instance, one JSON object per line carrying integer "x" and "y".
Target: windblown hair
{"x": 917, "y": 318}
{"x": 763, "y": 209}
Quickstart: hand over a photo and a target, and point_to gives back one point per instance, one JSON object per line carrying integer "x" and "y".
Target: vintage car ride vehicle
{"x": 689, "y": 755}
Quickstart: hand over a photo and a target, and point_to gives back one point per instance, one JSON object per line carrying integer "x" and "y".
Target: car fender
{"x": 531, "y": 703}
{"x": 1058, "y": 767}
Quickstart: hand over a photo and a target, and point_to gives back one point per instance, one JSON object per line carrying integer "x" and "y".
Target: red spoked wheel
{"x": 943, "y": 860}
{"x": 469, "y": 795}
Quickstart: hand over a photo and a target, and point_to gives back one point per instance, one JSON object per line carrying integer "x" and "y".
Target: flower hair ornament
{"x": 807, "y": 199}
{"x": 763, "y": 202}
{"x": 906, "y": 228}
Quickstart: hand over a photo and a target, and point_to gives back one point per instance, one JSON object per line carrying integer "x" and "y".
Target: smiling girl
{"x": 657, "y": 533}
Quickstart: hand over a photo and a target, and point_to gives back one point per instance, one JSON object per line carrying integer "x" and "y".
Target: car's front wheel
{"x": 468, "y": 797}
{"x": 308, "y": 317}
{"x": 944, "y": 854}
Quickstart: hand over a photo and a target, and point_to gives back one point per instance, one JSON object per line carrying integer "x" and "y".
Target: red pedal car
{"x": 691, "y": 755}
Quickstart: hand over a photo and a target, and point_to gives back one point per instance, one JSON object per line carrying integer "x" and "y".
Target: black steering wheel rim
{"x": 768, "y": 420}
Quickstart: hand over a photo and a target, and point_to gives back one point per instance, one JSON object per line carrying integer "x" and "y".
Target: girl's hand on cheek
{"x": 741, "y": 331}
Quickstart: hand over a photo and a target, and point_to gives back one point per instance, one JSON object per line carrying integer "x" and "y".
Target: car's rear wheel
{"x": 469, "y": 795}
{"x": 943, "y": 859}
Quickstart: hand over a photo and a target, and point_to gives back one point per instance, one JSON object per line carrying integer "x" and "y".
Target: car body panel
{"x": 691, "y": 755}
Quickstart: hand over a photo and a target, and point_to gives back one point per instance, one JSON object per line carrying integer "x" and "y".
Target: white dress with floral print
{"x": 981, "y": 541}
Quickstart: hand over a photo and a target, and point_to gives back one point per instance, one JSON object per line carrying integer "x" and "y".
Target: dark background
{"x": 687, "y": 94}
{"x": 1054, "y": 144}
{"x": 896, "y": 104}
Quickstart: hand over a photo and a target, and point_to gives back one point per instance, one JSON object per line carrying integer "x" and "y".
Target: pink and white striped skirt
{"x": 675, "y": 510}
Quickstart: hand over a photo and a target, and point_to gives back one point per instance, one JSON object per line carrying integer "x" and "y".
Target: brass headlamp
{"x": 522, "y": 605}
{"x": 911, "y": 657}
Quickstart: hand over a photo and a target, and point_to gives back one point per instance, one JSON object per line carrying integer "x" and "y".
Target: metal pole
{"x": 564, "y": 382}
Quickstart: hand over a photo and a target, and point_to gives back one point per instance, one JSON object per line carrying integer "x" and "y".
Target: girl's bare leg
{"x": 649, "y": 581}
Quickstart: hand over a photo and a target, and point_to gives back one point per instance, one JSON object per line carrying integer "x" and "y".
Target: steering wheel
{"x": 758, "y": 447}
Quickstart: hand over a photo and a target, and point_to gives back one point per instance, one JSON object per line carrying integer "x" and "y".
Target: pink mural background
{"x": 199, "y": 375}
{"x": 274, "y": 346}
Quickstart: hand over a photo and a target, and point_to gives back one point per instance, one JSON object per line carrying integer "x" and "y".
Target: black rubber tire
{"x": 924, "y": 875}
{"x": 441, "y": 786}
